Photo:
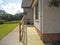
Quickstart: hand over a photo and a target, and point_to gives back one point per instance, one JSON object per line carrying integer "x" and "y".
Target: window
{"x": 36, "y": 11}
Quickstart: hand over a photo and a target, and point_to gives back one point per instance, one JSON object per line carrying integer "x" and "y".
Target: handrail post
{"x": 19, "y": 31}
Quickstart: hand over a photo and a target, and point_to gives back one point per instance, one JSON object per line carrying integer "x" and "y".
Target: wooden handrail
{"x": 21, "y": 28}
{"x": 22, "y": 32}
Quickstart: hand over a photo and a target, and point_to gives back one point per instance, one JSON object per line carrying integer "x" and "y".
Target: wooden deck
{"x": 30, "y": 36}
{"x": 33, "y": 37}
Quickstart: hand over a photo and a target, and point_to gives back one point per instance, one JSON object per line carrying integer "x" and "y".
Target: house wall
{"x": 49, "y": 21}
{"x": 37, "y": 24}
{"x": 29, "y": 15}
{"x": 51, "y": 18}
{"x": 41, "y": 15}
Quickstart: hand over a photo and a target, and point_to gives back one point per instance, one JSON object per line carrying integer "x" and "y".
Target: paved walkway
{"x": 33, "y": 37}
{"x": 12, "y": 38}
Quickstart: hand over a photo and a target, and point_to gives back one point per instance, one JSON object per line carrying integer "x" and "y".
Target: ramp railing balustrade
{"x": 22, "y": 32}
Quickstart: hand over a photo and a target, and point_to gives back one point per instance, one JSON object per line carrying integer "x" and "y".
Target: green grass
{"x": 5, "y": 29}
{"x": 11, "y": 22}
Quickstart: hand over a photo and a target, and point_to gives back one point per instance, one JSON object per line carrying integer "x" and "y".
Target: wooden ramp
{"x": 33, "y": 37}
{"x": 30, "y": 36}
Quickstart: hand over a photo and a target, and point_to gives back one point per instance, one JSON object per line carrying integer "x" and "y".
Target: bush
{"x": 1, "y": 21}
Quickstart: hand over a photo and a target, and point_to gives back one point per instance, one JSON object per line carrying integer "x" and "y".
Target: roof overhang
{"x": 34, "y": 3}
{"x": 27, "y": 3}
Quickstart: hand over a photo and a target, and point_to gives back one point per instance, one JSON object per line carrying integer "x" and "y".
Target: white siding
{"x": 41, "y": 16}
{"x": 29, "y": 15}
{"x": 37, "y": 24}
{"x": 51, "y": 18}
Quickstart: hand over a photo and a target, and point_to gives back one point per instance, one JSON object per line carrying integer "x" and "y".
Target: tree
{"x": 55, "y": 3}
{"x": 9, "y": 17}
{"x": 19, "y": 16}
{"x": 2, "y": 12}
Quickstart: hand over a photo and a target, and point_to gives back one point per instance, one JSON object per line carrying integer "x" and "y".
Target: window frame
{"x": 36, "y": 13}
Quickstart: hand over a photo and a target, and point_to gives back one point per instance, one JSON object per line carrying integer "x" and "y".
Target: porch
{"x": 28, "y": 35}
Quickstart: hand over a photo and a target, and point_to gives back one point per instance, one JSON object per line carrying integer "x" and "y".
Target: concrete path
{"x": 33, "y": 37}
{"x": 12, "y": 38}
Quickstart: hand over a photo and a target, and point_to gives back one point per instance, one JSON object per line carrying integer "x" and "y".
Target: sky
{"x": 11, "y": 6}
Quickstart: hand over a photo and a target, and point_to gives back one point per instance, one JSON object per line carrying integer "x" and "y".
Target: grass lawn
{"x": 5, "y": 29}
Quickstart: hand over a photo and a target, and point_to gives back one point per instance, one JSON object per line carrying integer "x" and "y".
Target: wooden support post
{"x": 20, "y": 32}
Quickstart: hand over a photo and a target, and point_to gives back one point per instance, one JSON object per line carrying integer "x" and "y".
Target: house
{"x": 46, "y": 19}
{"x": 28, "y": 17}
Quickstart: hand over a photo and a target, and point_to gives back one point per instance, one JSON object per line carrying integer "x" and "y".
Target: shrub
{"x": 1, "y": 21}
